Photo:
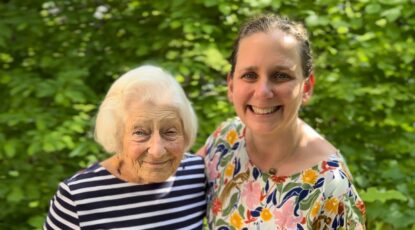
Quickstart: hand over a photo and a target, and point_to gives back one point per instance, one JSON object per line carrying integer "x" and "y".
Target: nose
{"x": 264, "y": 89}
{"x": 156, "y": 146}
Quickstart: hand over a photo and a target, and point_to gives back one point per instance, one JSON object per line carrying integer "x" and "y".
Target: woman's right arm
{"x": 62, "y": 212}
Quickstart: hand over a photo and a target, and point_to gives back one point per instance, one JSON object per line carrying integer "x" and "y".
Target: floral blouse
{"x": 240, "y": 196}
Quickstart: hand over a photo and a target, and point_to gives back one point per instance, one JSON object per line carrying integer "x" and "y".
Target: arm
{"x": 354, "y": 211}
{"x": 340, "y": 213}
{"x": 342, "y": 208}
{"x": 62, "y": 212}
{"x": 201, "y": 151}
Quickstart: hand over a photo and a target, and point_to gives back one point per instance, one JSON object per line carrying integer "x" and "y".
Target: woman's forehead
{"x": 277, "y": 47}
{"x": 276, "y": 38}
{"x": 150, "y": 111}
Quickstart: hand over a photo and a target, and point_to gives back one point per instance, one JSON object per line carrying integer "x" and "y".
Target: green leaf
{"x": 36, "y": 221}
{"x": 381, "y": 22}
{"x": 313, "y": 20}
{"x": 224, "y": 161}
{"x": 15, "y": 195}
{"x": 215, "y": 60}
{"x": 374, "y": 194}
{"x": 373, "y": 8}
{"x": 10, "y": 148}
{"x": 73, "y": 73}
{"x": 231, "y": 204}
{"x": 307, "y": 203}
{"x": 14, "y": 173}
{"x": 241, "y": 210}
{"x": 221, "y": 222}
{"x": 33, "y": 204}
{"x": 289, "y": 186}
{"x": 393, "y": 2}
{"x": 392, "y": 14}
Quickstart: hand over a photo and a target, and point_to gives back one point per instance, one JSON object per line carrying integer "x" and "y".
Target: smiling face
{"x": 267, "y": 87}
{"x": 153, "y": 142}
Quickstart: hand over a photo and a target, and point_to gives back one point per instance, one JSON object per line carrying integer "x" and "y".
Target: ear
{"x": 229, "y": 80}
{"x": 308, "y": 88}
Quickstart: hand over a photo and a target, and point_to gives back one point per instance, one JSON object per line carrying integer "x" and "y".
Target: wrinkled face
{"x": 153, "y": 142}
{"x": 267, "y": 87}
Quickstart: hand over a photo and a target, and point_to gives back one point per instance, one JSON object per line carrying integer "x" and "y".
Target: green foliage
{"x": 57, "y": 60}
{"x": 373, "y": 194}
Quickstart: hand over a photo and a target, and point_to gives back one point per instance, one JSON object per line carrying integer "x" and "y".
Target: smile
{"x": 264, "y": 111}
{"x": 155, "y": 163}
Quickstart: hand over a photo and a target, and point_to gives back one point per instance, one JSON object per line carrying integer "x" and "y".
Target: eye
{"x": 141, "y": 133}
{"x": 250, "y": 76}
{"x": 170, "y": 134}
{"x": 280, "y": 76}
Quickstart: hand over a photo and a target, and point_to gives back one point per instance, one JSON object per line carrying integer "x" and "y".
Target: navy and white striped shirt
{"x": 95, "y": 199}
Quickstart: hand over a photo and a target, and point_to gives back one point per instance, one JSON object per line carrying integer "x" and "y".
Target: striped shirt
{"x": 95, "y": 199}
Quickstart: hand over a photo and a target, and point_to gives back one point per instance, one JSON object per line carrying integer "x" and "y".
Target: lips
{"x": 264, "y": 110}
{"x": 155, "y": 163}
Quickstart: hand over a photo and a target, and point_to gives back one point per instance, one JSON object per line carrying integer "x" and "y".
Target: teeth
{"x": 264, "y": 110}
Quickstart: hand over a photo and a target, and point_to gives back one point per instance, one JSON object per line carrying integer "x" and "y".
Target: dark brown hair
{"x": 269, "y": 22}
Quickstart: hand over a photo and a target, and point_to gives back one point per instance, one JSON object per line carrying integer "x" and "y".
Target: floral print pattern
{"x": 242, "y": 197}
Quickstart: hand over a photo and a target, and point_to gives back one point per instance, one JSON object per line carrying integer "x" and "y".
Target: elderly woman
{"x": 150, "y": 182}
{"x": 267, "y": 168}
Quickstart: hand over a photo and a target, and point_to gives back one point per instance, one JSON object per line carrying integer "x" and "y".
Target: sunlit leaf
{"x": 373, "y": 194}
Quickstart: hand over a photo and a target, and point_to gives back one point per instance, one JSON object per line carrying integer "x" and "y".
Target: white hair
{"x": 143, "y": 84}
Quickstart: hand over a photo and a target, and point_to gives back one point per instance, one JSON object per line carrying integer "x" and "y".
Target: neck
{"x": 118, "y": 168}
{"x": 271, "y": 150}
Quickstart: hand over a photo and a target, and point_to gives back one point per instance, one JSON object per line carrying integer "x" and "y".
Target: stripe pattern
{"x": 95, "y": 199}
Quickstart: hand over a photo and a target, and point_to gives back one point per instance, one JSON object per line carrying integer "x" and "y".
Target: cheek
{"x": 241, "y": 94}
{"x": 239, "y": 87}
{"x": 134, "y": 150}
{"x": 291, "y": 92}
{"x": 176, "y": 148}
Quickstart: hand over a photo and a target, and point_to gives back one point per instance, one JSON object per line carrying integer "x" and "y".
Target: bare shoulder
{"x": 110, "y": 164}
{"x": 315, "y": 145}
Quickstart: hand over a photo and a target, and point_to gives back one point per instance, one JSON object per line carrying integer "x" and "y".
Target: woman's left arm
{"x": 341, "y": 208}
{"x": 354, "y": 210}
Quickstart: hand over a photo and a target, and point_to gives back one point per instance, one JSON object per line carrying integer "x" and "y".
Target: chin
{"x": 263, "y": 129}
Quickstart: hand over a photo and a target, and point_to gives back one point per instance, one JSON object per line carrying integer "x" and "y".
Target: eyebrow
{"x": 274, "y": 68}
{"x": 138, "y": 126}
{"x": 167, "y": 120}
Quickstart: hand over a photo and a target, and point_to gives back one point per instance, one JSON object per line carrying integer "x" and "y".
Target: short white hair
{"x": 143, "y": 84}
